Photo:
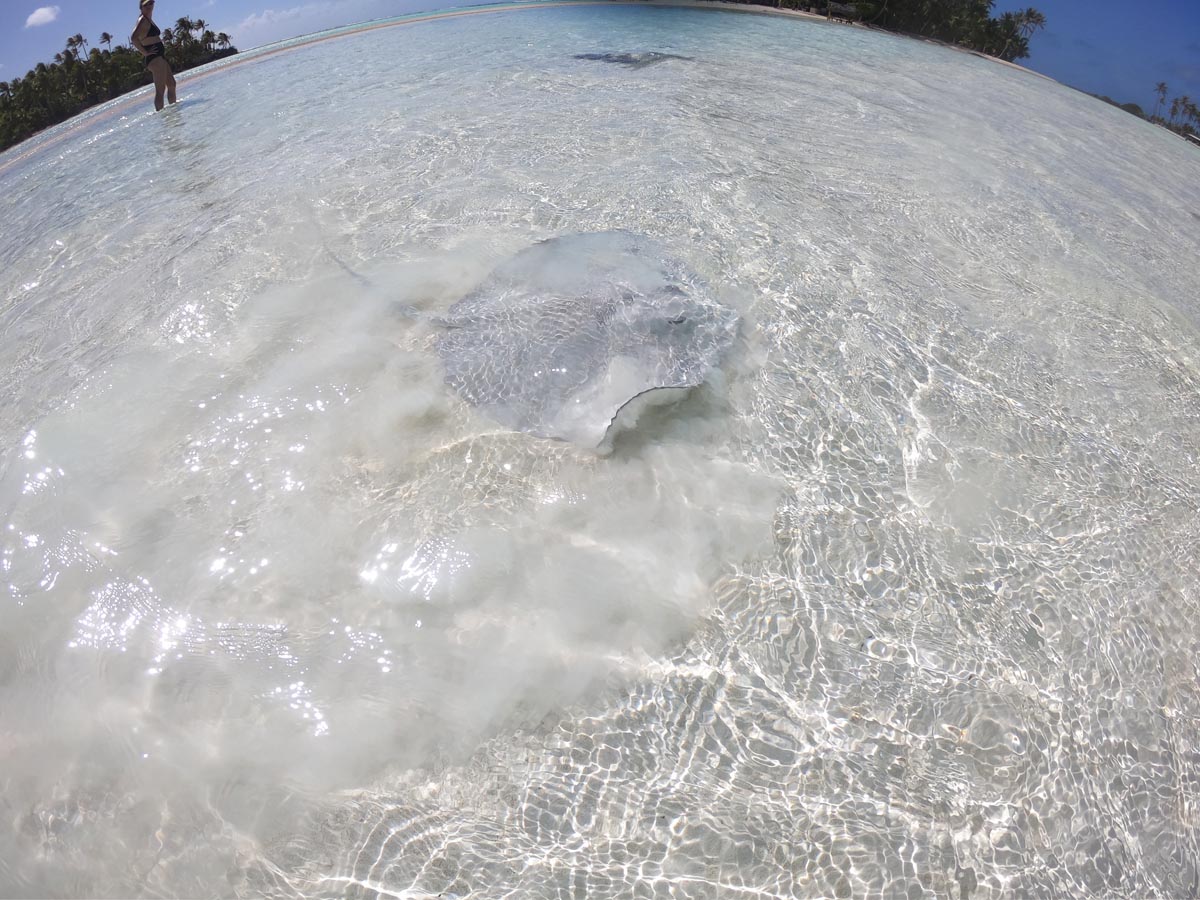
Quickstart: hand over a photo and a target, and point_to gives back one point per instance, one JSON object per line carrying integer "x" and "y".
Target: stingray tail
{"x": 361, "y": 279}
{"x": 403, "y": 309}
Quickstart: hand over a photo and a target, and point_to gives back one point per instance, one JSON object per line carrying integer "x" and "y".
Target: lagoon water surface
{"x": 902, "y": 602}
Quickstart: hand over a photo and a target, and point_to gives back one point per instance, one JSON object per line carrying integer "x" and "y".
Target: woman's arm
{"x": 139, "y": 31}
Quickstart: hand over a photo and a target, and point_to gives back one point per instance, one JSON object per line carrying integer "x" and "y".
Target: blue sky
{"x": 1121, "y": 48}
{"x": 1115, "y": 47}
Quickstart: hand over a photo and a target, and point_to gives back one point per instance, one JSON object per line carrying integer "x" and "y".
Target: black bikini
{"x": 156, "y": 50}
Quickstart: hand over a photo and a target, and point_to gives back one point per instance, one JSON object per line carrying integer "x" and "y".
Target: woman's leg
{"x": 160, "y": 71}
{"x": 163, "y": 81}
{"x": 170, "y": 83}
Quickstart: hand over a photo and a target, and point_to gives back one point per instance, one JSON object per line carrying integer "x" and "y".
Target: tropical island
{"x": 1184, "y": 115}
{"x": 79, "y": 78}
{"x": 963, "y": 23}
{"x": 969, "y": 24}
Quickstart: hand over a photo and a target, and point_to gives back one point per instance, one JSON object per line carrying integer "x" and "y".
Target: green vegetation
{"x": 77, "y": 79}
{"x": 1183, "y": 115}
{"x": 49, "y": 94}
{"x": 966, "y": 23}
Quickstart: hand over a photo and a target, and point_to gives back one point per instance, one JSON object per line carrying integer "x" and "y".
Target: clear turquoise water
{"x": 902, "y": 603}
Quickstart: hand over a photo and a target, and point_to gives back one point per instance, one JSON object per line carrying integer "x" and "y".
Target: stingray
{"x": 632, "y": 60}
{"x": 577, "y": 333}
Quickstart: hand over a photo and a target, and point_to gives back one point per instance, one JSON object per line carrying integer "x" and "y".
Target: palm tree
{"x": 1185, "y": 107}
{"x": 106, "y": 38}
{"x": 183, "y": 30}
{"x": 1174, "y": 110}
{"x": 208, "y": 39}
{"x": 223, "y": 41}
{"x": 1030, "y": 21}
{"x": 1161, "y": 90}
{"x": 1010, "y": 32}
{"x": 878, "y": 12}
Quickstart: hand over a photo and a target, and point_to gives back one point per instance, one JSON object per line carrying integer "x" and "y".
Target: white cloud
{"x": 43, "y": 15}
{"x": 308, "y": 16}
{"x": 271, "y": 25}
{"x": 270, "y": 17}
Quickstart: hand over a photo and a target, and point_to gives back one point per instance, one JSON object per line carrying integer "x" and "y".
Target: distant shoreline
{"x": 764, "y": 10}
{"x": 121, "y": 104}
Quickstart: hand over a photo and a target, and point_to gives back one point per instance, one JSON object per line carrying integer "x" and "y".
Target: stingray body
{"x": 561, "y": 339}
{"x": 632, "y": 60}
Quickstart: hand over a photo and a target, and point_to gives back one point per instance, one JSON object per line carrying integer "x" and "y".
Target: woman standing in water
{"x": 146, "y": 38}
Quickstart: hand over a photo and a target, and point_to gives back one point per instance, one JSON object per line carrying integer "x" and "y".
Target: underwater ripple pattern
{"x": 915, "y": 612}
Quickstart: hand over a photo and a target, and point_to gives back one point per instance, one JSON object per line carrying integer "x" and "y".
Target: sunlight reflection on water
{"x": 901, "y": 602}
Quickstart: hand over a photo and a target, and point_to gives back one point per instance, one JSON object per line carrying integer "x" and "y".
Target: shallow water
{"x": 901, "y": 603}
